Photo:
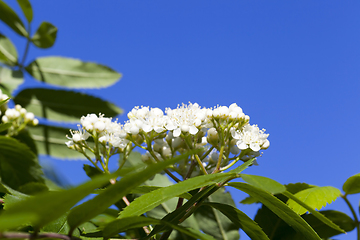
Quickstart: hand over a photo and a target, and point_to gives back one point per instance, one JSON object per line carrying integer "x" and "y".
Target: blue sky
{"x": 293, "y": 66}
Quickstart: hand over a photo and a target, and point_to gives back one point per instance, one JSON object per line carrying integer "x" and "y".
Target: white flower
{"x": 145, "y": 119}
{"x": 186, "y": 119}
{"x": 251, "y": 137}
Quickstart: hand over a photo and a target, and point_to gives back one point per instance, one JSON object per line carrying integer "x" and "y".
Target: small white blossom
{"x": 250, "y": 136}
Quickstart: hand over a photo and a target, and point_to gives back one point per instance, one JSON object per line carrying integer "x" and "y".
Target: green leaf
{"x": 243, "y": 166}
{"x": 14, "y": 154}
{"x": 11, "y": 79}
{"x": 72, "y": 73}
{"x": 264, "y": 183}
{"x": 241, "y": 220}
{"x": 10, "y": 18}
{"x": 33, "y": 188}
{"x": 5, "y": 126}
{"x": 150, "y": 200}
{"x": 249, "y": 200}
{"x": 45, "y": 35}
{"x": 213, "y": 222}
{"x": 25, "y": 137}
{"x": 27, "y": 9}
{"x": 57, "y": 226}
{"x": 91, "y": 171}
{"x": 304, "y": 204}
{"x": 8, "y": 53}
{"x": 352, "y": 184}
{"x": 62, "y": 105}
{"x": 51, "y": 140}
{"x": 46, "y": 207}
{"x": 316, "y": 197}
{"x": 121, "y": 225}
{"x": 279, "y": 208}
{"x": 297, "y": 187}
{"x": 341, "y": 219}
{"x": 114, "y": 193}
{"x": 146, "y": 189}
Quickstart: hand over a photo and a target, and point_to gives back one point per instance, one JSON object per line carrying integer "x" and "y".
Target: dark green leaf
{"x": 213, "y": 222}
{"x": 51, "y": 141}
{"x": 341, "y": 219}
{"x": 114, "y": 193}
{"x": 304, "y": 204}
{"x": 150, "y": 200}
{"x": 33, "y": 188}
{"x": 279, "y": 208}
{"x": 8, "y": 53}
{"x": 297, "y": 187}
{"x": 121, "y": 225}
{"x": 57, "y": 226}
{"x": 14, "y": 154}
{"x": 264, "y": 183}
{"x": 241, "y": 220}
{"x": 27, "y": 9}
{"x": 91, "y": 171}
{"x": 68, "y": 72}
{"x": 249, "y": 200}
{"x": 243, "y": 166}
{"x": 11, "y": 79}
{"x": 46, "y": 207}
{"x": 62, "y": 105}
{"x": 24, "y": 137}
{"x": 352, "y": 184}
{"x": 316, "y": 198}
{"x": 5, "y": 126}
{"x": 45, "y": 35}
{"x": 10, "y": 18}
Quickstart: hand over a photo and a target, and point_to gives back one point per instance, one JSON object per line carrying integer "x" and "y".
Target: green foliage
{"x": 352, "y": 185}
{"x": 10, "y": 79}
{"x": 11, "y": 19}
{"x": 8, "y": 53}
{"x": 264, "y": 183}
{"x": 58, "y": 105}
{"x": 316, "y": 197}
{"x": 14, "y": 154}
{"x": 45, "y": 35}
{"x": 27, "y": 9}
{"x": 69, "y": 72}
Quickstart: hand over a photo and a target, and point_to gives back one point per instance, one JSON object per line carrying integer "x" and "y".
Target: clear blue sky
{"x": 293, "y": 66}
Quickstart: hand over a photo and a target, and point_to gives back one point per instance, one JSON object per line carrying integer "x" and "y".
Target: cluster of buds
{"x": 223, "y": 135}
{"x": 19, "y": 117}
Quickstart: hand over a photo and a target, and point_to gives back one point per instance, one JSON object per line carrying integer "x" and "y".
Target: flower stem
{"x": 354, "y": 214}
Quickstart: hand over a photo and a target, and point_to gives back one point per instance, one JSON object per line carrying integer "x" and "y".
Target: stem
{"x": 354, "y": 214}
{"x": 28, "y": 40}
{"x": 217, "y": 169}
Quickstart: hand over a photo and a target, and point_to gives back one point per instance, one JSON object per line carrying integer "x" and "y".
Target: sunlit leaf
{"x": 114, "y": 193}
{"x": 316, "y": 197}
{"x": 14, "y": 154}
{"x": 311, "y": 210}
{"x": 10, "y": 18}
{"x": 241, "y": 220}
{"x": 297, "y": 187}
{"x": 45, "y": 35}
{"x": 264, "y": 183}
{"x": 72, "y": 73}
{"x": 352, "y": 184}
{"x": 27, "y": 9}
{"x": 8, "y": 53}
{"x": 150, "y": 200}
{"x": 41, "y": 209}
{"x": 279, "y": 208}
{"x": 121, "y": 225}
{"x": 11, "y": 79}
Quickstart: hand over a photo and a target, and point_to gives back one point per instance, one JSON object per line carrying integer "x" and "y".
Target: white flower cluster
{"x": 251, "y": 137}
{"x": 2, "y": 98}
{"x": 19, "y": 115}
{"x": 107, "y": 132}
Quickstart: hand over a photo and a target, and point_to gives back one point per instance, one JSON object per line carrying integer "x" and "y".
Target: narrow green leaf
{"x": 51, "y": 140}
{"x": 341, "y": 219}
{"x": 308, "y": 205}
{"x": 57, "y": 226}
{"x": 146, "y": 189}
{"x": 27, "y": 9}
{"x": 114, "y": 193}
{"x": 72, "y": 73}
{"x": 14, "y": 154}
{"x": 10, "y": 18}
{"x": 316, "y": 197}
{"x": 8, "y": 53}
{"x": 91, "y": 171}
{"x": 264, "y": 183}
{"x": 121, "y": 225}
{"x": 46, "y": 207}
{"x": 63, "y": 105}
{"x": 150, "y": 200}
{"x": 241, "y": 220}
{"x": 243, "y": 166}
{"x": 213, "y": 222}
{"x": 352, "y": 184}
{"x": 45, "y": 35}
{"x": 11, "y": 79}
{"x": 249, "y": 200}
{"x": 279, "y": 208}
